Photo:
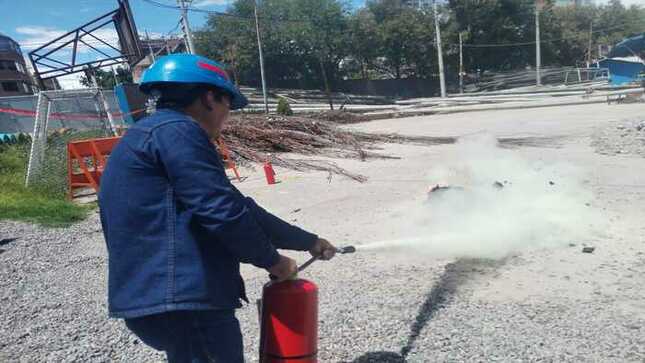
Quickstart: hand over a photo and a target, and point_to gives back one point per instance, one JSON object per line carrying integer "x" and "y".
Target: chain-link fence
{"x": 50, "y": 120}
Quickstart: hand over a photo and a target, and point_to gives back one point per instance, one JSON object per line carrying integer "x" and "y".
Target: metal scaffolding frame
{"x": 46, "y": 67}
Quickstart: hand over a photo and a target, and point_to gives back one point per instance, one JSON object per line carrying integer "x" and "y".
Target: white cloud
{"x": 36, "y": 36}
{"x": 202, "y": 3}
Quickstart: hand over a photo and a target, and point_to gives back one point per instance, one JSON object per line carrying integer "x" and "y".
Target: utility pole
{"x": 538, "y": 57}
{"x": 461, "y": 63}
{"x": 442, "y": 79}
{"x": 186, "y": 26}
{"x": 264, "y": 82}
{"x": 589, "y": 49}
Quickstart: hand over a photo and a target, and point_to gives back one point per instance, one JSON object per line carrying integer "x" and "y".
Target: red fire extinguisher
{"x": 289, "y": 322}
{"x": 269, "y": 172}
{"x": 289, "y": 319}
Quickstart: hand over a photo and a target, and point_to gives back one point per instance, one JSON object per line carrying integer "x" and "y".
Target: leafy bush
{"x": 283, "y": 107}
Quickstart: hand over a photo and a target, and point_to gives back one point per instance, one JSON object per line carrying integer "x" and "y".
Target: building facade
{"x": 14, "y": 77}
{"x": 154, "y": 48}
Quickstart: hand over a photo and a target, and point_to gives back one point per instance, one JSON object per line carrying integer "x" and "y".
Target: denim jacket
{"x": 176, "y": 228}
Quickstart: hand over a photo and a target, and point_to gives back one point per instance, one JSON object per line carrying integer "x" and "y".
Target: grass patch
{"x": 43, "y": 206}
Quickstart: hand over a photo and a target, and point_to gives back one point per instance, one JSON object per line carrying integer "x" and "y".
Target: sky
{"x": 33, "y": 22}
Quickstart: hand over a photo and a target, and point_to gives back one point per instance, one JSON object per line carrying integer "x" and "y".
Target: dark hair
{"x": 180, "y": 96}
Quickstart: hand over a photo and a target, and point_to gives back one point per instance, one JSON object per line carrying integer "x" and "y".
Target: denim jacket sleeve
{"x": 201, "y": 185}
{"x": 283, "y": 235}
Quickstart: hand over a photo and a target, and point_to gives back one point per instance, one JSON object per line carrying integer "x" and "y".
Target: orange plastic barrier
{"x": 80, "y": 173}
{"x": 226, "y": 157}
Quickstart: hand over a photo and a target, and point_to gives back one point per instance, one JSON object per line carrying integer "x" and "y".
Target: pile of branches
{"x": 257, "y": 138}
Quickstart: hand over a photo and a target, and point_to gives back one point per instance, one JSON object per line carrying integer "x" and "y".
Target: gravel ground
{"x": 621, "y": 138}
{"x": 52, "y": 293}
{"x": 549, "y": 305}
{"x": 54, "y": 310}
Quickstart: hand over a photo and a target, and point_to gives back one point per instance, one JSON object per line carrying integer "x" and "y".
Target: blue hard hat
{"x": 191, "y": 69}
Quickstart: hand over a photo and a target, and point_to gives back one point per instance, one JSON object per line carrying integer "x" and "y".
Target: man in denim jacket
{"x": 177, "y": 229}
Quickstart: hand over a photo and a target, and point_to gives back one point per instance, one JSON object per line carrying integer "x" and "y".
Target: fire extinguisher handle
{"x": 273, "y": 277}
{"x": 306, "y": 264}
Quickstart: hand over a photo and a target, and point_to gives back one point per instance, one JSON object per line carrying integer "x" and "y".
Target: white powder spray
{"x": 538, "y": 205}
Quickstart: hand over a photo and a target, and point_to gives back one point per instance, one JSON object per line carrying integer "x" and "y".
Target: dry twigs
{"x": 252, "y": 137}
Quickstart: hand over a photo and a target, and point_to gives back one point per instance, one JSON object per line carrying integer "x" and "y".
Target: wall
{"x": 399, "y": 88}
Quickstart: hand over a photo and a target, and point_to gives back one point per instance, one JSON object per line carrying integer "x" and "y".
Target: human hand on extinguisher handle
{"x": 323, "y": 249}
{"x": 285, "y": 269}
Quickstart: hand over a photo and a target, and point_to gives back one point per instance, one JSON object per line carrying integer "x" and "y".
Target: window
{"x": 9, "y": 45}
{"x": 5, "y": 44}
{"x": 10, "y": 65}
{"x": 10, "y": 86}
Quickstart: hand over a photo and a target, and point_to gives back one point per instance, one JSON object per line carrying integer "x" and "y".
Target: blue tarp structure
{"x": 122, "y": 99}
{"x": 630, "y": 47}
{"x": 626, "y": 60}
{"x": 622, "y": 71}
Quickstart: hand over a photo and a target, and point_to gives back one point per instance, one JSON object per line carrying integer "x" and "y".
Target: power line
{"x": 193, "y": 9}
{"x": 169, "y": 33}
{"x": 219, "y": 13}
{"x": 173, "y": 7}
{"x": 489, "y": 45}
{"x": 519, "y": 44}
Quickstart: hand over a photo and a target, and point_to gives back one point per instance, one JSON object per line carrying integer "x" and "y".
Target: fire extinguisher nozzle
{"x": 346, "y": 249}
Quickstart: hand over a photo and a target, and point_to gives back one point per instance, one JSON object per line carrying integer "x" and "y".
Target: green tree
{"x": 495, "y": 22}
{"x": 315, "y": 43}
{"x": 106, "y": 79}
{"x": 232, "y": 41}
{"x": 406, "y": 38}
{"x": 322, "y": 37}
{"x": 303, "y": 40}
{"x": 567, "y": 34}
{"x": 617, "y": 22}
{"x": 363, "y": 40}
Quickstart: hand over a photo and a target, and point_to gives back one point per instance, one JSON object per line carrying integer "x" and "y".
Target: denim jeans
{"x": 196, "y": 336}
